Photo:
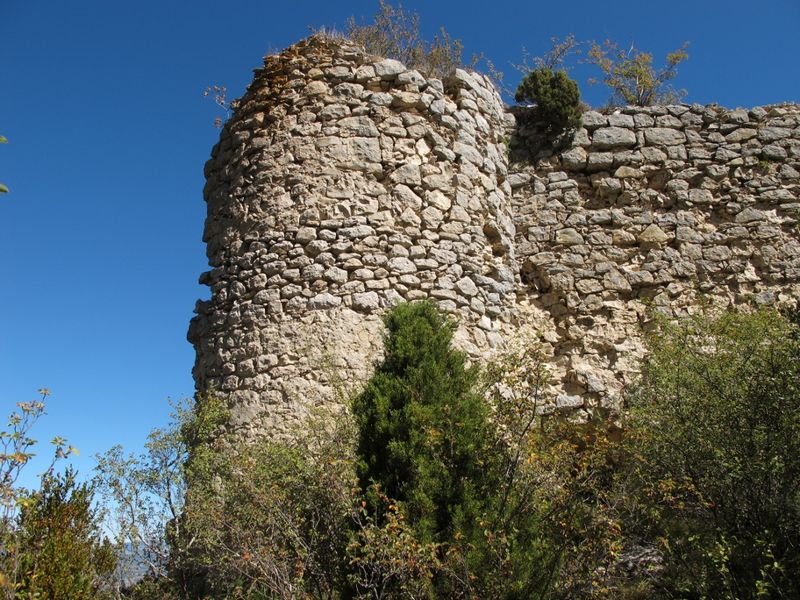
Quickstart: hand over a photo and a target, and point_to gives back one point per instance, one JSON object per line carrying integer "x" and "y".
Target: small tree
{"x": 394, "y": 33}
{"x": 632, "y": 77}
{"x": 143, "y": 497}
{"x": 556, "y": 98}
{"x": 16, "y": 450}
{"x": 423, "y": 431}
{"x": 62, "y": 550}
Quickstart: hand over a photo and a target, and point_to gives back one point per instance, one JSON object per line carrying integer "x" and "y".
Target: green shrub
{"x": 423, "y": 430}
{"x": 62, "y": 553}
{"x": 269, "y": 519}
{"x": 714, "y": 429}
{"x": 36, "y": 524}
{"x": 556, "y": 98}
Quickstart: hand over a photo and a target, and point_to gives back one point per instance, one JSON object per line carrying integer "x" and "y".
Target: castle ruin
{"x": 344, "y": 183}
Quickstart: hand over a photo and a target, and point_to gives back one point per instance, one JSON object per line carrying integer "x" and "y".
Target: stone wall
{"x": 344, "y": 183}
{"x": 650, "y": 207}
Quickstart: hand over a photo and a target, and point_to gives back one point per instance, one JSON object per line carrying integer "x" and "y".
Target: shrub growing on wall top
{"x": 556, "y": 98}
{"x": 632, "y": 77}
{"x": 395, "y": 33}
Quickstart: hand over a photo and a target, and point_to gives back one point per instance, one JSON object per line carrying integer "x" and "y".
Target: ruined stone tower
{"x": 344, "y": 183}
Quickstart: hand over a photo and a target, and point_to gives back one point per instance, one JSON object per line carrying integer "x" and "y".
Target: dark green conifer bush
{"x": 424, "y": 431}
{"x": 556, "y": 98}
{"x": 427, "y": 441}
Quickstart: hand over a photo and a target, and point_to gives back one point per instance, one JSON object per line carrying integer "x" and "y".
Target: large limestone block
{"x": 607, "y": 138}
{"x": 662, "y": 136}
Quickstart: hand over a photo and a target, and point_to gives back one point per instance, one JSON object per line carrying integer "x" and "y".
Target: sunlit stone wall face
{"x": 342, "y": 184}
{"x": 650, "y": 209}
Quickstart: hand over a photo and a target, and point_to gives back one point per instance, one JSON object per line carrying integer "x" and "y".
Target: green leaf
{"x": 3, "y": 139}
{"x": 3, "y": 189}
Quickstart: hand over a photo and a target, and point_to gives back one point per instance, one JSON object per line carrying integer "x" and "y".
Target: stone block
{"x": 608, "y": 138}
{"x": 662, "y": 136}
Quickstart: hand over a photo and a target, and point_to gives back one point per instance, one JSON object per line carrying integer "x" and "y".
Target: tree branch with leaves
{"x": 632, "y": 77}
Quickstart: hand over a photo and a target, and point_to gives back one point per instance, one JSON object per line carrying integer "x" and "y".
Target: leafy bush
{"x": 714, "y": 431}
{"x": 556, "y": 98}
{"x": 268, "y": 518}
{"x": 62, "y": 551}
{"x": 569, "y": 478}
{"x": 50, "y": 545}
{"x": 394, "y": 33}
{"x": 631, "y": 76}
{"x": 385, "y": 558}
{"x": 209, "y": 520}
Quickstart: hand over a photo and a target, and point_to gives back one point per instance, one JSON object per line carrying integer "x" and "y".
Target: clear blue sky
{"x": 102, "y": 104}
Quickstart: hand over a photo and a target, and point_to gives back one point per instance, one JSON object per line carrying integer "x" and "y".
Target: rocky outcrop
{"x": 344, "y": 183}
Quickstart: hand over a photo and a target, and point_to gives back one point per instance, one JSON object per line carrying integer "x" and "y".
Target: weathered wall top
{"x": 344, "y": 183}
